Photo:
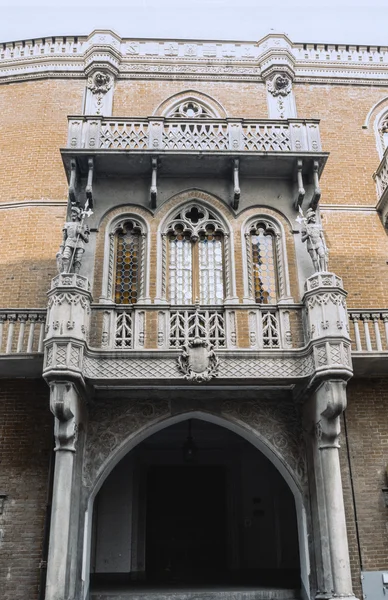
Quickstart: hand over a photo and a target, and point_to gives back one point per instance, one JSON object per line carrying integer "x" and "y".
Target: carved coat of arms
{"x": 198, "y": 361}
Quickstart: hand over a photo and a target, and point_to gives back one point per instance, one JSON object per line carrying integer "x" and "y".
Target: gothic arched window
{"x": 128, "y": 245}
{"x": 263, "y": 265}
{"x": 124, "y": 276}
{"x": 195, "y": 252}
{"x": 266, "y": 277}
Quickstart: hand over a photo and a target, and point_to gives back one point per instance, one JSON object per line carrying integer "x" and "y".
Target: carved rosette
{"x": 279, "y": 85}
{"x": 99, "y": 89}
{"x": 198, "y": 361}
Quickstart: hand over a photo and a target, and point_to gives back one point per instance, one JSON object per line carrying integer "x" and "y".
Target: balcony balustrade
{"x": 22, "y": 331}
{"x": 205, "y": 135}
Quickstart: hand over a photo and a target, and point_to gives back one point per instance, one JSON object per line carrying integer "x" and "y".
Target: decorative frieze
{"x": 72, "y": 57}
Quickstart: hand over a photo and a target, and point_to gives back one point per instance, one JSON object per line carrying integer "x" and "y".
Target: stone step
{"x": 228, "y": 594}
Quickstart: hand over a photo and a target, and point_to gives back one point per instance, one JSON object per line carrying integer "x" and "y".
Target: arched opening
{"x": 194, "y": 505}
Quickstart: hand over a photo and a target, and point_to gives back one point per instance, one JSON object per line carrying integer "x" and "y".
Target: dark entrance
{"x": 186, "y": 524}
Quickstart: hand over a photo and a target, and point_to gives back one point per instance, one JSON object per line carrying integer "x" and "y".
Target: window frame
{"x": 273, "y": 227}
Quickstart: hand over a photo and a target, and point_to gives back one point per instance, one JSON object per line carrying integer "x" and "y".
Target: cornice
{"x": 75, "y": 57}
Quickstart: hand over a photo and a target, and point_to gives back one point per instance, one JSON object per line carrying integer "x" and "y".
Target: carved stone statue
{"x": 312, "y": 233}
{"x": 75, "y": 236}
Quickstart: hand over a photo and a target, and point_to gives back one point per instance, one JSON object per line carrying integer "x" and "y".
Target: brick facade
{"x": 33, "y": 128}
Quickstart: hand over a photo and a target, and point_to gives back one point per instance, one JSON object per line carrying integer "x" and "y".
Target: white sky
{"x": 336, "y": 21}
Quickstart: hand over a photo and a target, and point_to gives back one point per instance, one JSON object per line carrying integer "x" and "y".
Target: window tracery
{"x": 196, "y": 244}
{"x": 190, "y": 109}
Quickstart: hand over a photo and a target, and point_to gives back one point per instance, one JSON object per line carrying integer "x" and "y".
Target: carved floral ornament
{"x": 279, "y": 85}
{"x": 100, "y": 82}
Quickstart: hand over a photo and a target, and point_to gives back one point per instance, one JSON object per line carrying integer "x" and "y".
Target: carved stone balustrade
{"x": 381, "y": 179}
{"x": 181, "y": 144}
{"x": 124, "y": 328}
{"x": 22, "y": 332}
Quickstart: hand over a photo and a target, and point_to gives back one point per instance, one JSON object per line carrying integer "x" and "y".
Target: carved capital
{"x": 64, "y": 406}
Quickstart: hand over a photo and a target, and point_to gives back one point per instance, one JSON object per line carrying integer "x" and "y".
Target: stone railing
{"x": 125, "y": 328}
{"x": 179, "y": 135}
{"x": 369, "y": 330}
{"x": 22, "y": 330}
{"x": 381, "y": 175}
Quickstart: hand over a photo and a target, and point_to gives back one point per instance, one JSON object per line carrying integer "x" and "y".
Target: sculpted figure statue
{"x": 75, "y": 236}
{"x": 312, "y": 233}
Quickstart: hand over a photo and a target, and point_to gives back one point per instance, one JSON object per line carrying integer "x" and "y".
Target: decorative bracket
{"x": 317, "y": 190}
{"x": 236, "y": 182}
{"x": 73, "y": 181}
{"x": 154, "y": 189}
{"x": 301, "y": 190}
{"x": 89, "y": 184}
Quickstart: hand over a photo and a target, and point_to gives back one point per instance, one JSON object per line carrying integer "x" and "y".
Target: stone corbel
{"x": 331, "y": 403}
{"x": 153, "y": 188}
{"x": 301, "y": 190}
{"x": 73, "y": 181}
{"x": 236, "y": 183}
{"x": 317, "y": 190}
{"x": 63, "y": 405}
{"x": 89, "y": 184}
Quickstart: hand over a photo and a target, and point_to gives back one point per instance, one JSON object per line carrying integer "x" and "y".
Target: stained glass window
{"x": 127, "y": 264}
{"x": 264, "y": 269}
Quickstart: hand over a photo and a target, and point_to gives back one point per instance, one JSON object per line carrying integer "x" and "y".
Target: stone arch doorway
{"x": 250, "y": 525}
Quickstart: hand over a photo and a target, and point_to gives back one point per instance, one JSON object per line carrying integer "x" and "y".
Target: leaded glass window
{"x": 263, "y": 266}
{"x": 127, "y": 263}
{"x": 196, "y": 261}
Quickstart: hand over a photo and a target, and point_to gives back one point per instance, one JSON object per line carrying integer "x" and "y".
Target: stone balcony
{"x": 275, "y": 332}
{"x": 381, "y": 180}
{"x": 265, "y": 147}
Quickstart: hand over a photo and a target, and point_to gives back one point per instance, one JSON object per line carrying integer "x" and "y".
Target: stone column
{"x": 329, "y": 403}
{"x": 327, "y": 334}
{"x": 65, "y": 404}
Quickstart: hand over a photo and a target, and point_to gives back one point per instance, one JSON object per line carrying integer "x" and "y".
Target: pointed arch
{"x": 264, "y": 225}
{"x": 238, "y": 427}
{"x": 213, "y": 218}
{"x": 191, "y": 104}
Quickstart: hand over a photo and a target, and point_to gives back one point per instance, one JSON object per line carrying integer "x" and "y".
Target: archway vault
{"x": 273, "y": 429}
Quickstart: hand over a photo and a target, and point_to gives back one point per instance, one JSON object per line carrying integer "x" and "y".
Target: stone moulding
{"x": 75, "y": 56}
{"x": 159, "y": 365}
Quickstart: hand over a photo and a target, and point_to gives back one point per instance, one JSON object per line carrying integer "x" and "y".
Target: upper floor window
{"x": 263, "y": 265}
{"x": 266, "y": 277}
{"x": 195, "y": 257}
{"x": 128, "y": 241}
{"x": 125, "y": 278}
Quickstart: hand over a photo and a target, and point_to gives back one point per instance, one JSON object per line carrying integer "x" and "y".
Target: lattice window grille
{"x": 264, "y": 266}
{"x": 196, "y": 136}
{"x": 270, "y": 329}
{"x": 124, "y": 136}
{"x": 128, "y": 265}
{"x": 270, "y": 138}
{"x": 185, "y": 325}
{"x": 124, "y": 331}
